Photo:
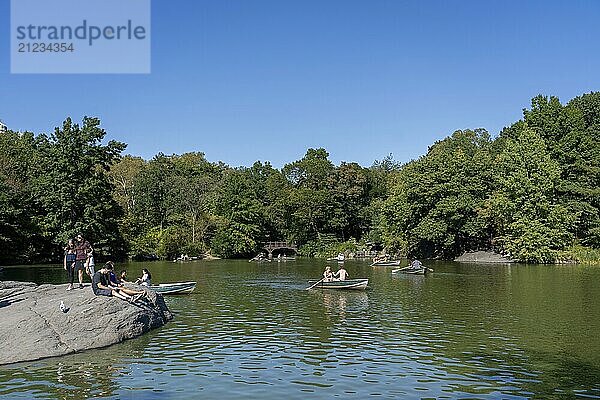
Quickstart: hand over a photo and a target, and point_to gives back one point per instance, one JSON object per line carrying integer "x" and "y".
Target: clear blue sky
{"x": 246, "y": 80}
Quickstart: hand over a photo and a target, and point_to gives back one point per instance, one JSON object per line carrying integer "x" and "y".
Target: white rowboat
{"x": 174, "y": 288}
{"x": 354, "y": 284}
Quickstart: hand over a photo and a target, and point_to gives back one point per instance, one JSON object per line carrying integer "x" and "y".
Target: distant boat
{"x": 286, "y": 259}
{"x": 183, "y": 258}
{"x": 354, "y": 284}
{"x": 413, "y": 271}
{"x": 392, "y": 263}
{"x": 174, "y": 288}
{"x": 339, "y": 258}
{"x": 260, "y": 260}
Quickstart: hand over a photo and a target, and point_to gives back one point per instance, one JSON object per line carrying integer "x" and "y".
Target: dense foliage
{"x": 531, "y": 193}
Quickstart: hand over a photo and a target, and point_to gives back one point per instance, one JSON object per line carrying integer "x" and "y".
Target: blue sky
{"x": 247, "y": 80}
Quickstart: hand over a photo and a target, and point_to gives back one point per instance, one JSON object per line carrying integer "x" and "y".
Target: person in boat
{"x": 341, "y": 274}
{"x": 145, "y": 279}
{"x": 381, "y": 258}
{"x": 327, "y": 275}
{"x": 416, "y": 264}
{"x": 101, "y": 287}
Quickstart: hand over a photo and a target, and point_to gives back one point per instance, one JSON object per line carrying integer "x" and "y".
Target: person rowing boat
{"x": 341, "y": 274}
{"x": 327, "y": 275}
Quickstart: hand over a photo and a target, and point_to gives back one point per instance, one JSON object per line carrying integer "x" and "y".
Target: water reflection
{"x": 339, "y": 302}
{"x": 465, "y": 331}
{"x": 86, "y": 375}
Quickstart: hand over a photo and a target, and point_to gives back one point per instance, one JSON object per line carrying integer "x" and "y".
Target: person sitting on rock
{"x": 123, "y": 277}
{"x": 112, "y": 277}
{"x": 101, "y": 287}
{"x": 146, "y": 279}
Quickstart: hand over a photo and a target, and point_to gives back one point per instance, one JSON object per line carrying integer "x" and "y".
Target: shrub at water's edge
{"x": 583, "y": 255}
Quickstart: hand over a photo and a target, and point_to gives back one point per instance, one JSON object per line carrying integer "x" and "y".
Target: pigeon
{"x": 63, "y": 308}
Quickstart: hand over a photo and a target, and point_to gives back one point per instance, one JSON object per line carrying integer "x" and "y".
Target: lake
{"x": 252, "y": 331}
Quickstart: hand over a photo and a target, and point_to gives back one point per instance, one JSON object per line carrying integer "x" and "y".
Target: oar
{"x": 320, "y": 280}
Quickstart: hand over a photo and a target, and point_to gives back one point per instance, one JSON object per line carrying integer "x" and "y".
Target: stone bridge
{"x": 270, "y": 247}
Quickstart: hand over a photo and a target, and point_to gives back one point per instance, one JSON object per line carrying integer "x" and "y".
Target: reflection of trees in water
{"x": 91, "y": 374}
{"x": 327, "y": 311}
{"x": 339, "y": 302}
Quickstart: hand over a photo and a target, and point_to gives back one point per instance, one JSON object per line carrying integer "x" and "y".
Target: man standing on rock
{"x": 82, "y": 249}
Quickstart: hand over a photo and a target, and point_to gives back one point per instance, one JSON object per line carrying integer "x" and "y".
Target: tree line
{"x": 531, "y": 193}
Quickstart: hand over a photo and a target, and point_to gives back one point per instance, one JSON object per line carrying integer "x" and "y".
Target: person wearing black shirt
{"x": 101, "y": 287}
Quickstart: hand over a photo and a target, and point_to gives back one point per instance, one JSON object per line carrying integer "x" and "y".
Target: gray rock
{"x": 483, "y": 257}
{"x": 34, "y": 327}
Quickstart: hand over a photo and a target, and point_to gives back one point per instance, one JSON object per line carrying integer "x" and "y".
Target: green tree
{"x": 71, "y": 188}
{"x": 309, "y": 201}
{"x": 239, "y": 213}
{"x": 193, "y": 197}
{"x": 349, "y": 194}
{"x": 17, "y": 230}
{"x": 530, "y": 225}
{"x": 433, "y": 207}
{"x": 571, "y": 135}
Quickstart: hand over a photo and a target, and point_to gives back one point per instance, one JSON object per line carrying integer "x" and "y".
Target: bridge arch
{"x": 271, "y": 247}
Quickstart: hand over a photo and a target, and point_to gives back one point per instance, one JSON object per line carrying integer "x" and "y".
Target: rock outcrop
{"x": 34, "y": 326}
{"x": 483, "y": 257}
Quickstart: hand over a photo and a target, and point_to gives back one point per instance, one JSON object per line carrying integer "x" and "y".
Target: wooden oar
{"x": 320, "y": 280}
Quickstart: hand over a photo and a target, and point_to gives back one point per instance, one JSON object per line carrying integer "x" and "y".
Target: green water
{"x": 252, "y": 331}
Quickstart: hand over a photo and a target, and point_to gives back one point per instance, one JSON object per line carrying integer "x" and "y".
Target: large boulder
{"x": 34, "y": 327}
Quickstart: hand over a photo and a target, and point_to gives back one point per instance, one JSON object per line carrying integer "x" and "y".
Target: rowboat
{"x": 412, "y": 271}
{"x": 260, "y": 260}
{"x": 385, "y": 263}
{"x": 339, "y": 258}
{"x": 279, "y": 259}
{"x": 174, "y": 288}
{"x": 355, "y": 284}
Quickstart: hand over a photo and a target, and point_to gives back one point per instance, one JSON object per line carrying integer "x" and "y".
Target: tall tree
{"x": 71, "y": 187}
{"x": 240, "y": 216}
{"x": 433, "y": 208}
{"x": 309, "y": 199}
{"x": 530, "y": 225}
{"x": 16, "y": 225}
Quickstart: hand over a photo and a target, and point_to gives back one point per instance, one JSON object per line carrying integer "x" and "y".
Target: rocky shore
{"x": 483, "y": 257}
{"x": 34, "y": 326}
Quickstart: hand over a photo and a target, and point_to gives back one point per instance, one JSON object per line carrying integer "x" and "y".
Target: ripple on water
{"x": 255, "y": 332}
